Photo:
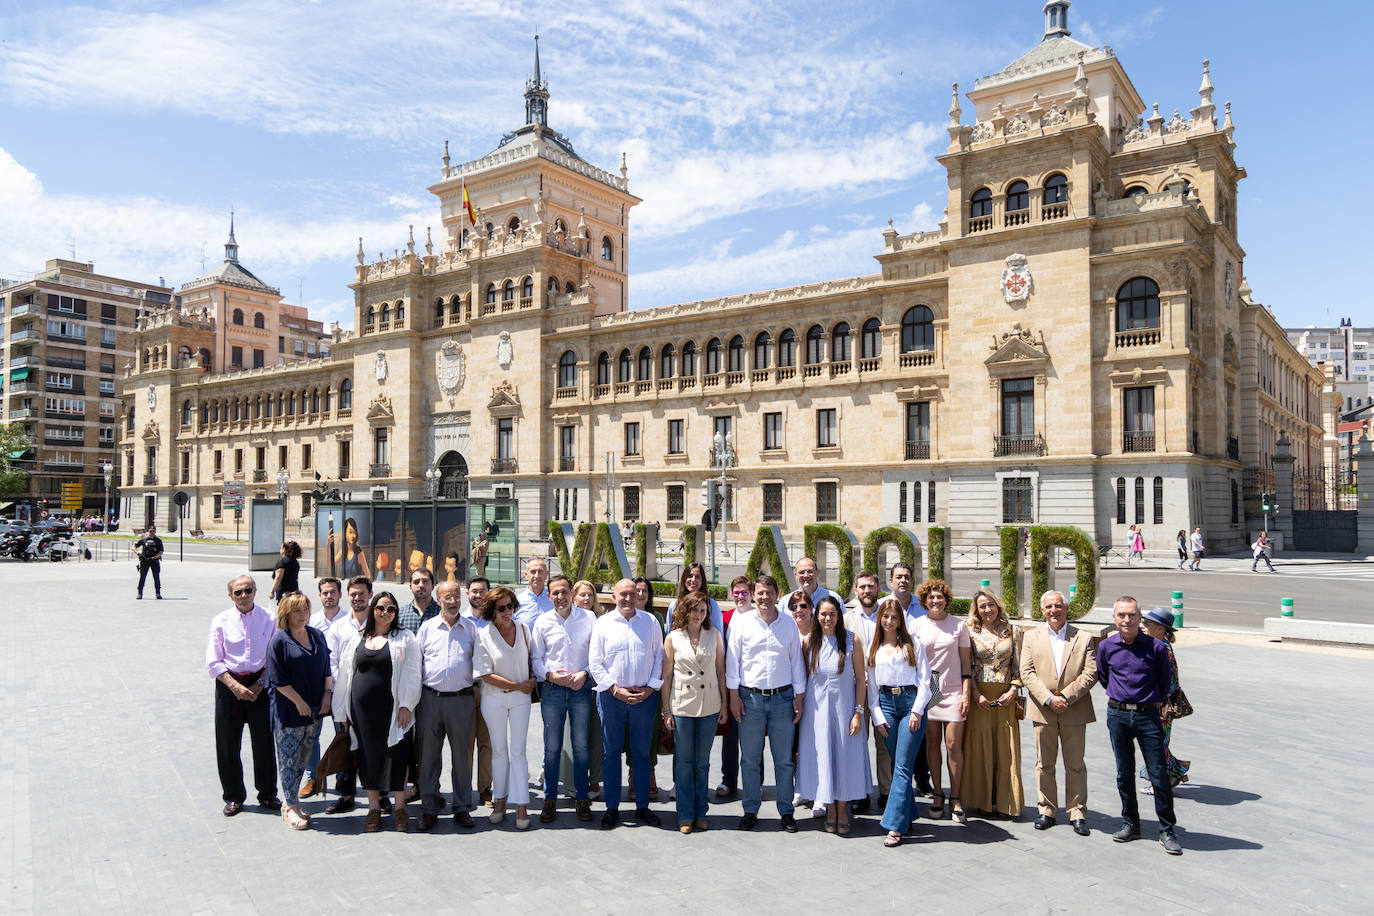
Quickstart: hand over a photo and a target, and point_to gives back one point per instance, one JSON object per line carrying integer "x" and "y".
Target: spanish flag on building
{"x": 467, "y": 205}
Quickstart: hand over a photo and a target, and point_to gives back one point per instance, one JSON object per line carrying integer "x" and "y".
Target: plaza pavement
{"x": 109, "y": 800}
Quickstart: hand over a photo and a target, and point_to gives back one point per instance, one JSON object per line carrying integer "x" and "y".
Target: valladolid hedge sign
{"x": 597, "y": 552}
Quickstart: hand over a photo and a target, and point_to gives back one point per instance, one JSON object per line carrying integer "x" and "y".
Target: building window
{"x": 735, "y": 355}
{"x": 260, "y": 458}
{"x": 259, "y": 321}
{"x": 676, "y": 445}
{"x": 345, "y": 458}
{"x": 306, "y": 457}
{"x": 839, "y": 343}
{"x": 980, "y": 204}
{"x": 490, "y": 295}
{"x": 217, "y": 505}
{"x": 665, "y": 361}
{"x": 1235, "y": 500}
{"x": 917, "y": 430}
{"x": 787, "y": 348}
{"x": 632, "y": 438}
{"x": 305, "y": 503}
{"x": 603, "y": 368}
{"x": 1121, "y": 500}
{"x": 219, "y": 462}
{"x": 505, "y": 438}
{"x": 1140, "y": 500}
{"x": 1056, "y": 189}
{"x": 607, "y": 249}
{"x": 345, "y": 395}
{"x": 1159, "y": 499}
{"x": 185, "y": 467}
{"x": 237, "y": 317}
{"x": 815, "y": 345}
{"x": 871, "y": 340}
{"x": 930, "y": 493}
{"x": 1017, "y": 493}
{"x": 689, "y": 359}
{"x": 1137, "y": 304}
{"x": 772, "y": 432}
{"x": 722, "y": 427}
{"x": 629, "y": 502}
{"x": 567, "y": 370}
{"x": 827, "y": 501}
{"x": 646, "y": 365}
{"x": 186, "y": 413}
{"x": 713, "y": 357}
{"x": 624, "y": 367}
{"x": 676, "y": 502}
{"x": 763, "y": 342}
{"x": 238, "y": 462}
{"x": 236, "y": 357}
{"x": 1018, "y": 408}
{"x": 772, "y": 502}
{"x": 1139, "y": 404}
{"x": 1018, "y": 196}
{"x": 567, "y": 448}
{"x": 827, "y": 431}
{"x": 918, "y": 329}
{"x": 259, "y": 358}
{"x": 282, "y": 455}
{"x": 526, "y": 288}
{"x": 507, "y": 292}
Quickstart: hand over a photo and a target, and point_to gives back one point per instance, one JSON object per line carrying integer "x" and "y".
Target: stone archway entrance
{"x": 453, "y": 476}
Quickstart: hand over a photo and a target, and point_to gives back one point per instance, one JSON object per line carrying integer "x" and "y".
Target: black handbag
{"x": 1177, "y": 706}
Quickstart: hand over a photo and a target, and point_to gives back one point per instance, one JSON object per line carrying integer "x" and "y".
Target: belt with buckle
{"x": 899, "y": 689}
{"x": 1129, "y": 707}
{"x": 768, "y": 692}
{"x": 465, "y": 692}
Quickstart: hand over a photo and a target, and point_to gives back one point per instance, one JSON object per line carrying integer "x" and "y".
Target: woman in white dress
{"x": 832, "y": 753}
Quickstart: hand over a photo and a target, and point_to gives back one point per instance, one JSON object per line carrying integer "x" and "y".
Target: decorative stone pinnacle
{"x": 429, "y": 241}
{"x": 361, "y": 256}
{"x": 446, "y": 154}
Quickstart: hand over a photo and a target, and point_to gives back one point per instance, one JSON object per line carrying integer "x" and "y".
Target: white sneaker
{"x": 818, "y": 811}
{"x": 797, "y": 801}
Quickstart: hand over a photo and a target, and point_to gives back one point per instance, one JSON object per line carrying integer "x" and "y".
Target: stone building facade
{"x": 1065, "y": 348}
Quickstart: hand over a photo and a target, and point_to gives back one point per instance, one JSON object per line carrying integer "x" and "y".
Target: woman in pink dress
{"x": 947, "y": 645}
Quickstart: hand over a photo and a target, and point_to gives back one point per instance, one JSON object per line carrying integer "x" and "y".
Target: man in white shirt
{"x": 809, "y": 581}
{"x": 344, "y": 628}
{"x": 328, "y": 614}
{"x": 626, "y": 663}
{"x": 446, "y": 706}
{"x": 480, "y": 738}
{"x": 1059, "y": 669}
{"x": 1195, "y": 541}
{"x": 901, "y": 580}
{"x": 560, "y": 648}
{"x": 767, "y": 680}
{"x": 534, "y": 600}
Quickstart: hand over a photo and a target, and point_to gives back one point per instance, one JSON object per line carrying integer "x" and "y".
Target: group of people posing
{"x": 802, "y": 673}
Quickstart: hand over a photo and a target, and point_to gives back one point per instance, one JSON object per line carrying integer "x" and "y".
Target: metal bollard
{"x": 1285, "y": 607}
{"x": 1178, "y": 610}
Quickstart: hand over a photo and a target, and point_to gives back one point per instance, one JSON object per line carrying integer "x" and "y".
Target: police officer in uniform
{"x": 149, "y": 549}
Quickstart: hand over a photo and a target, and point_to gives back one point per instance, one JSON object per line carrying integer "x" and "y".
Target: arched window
{"x": 839, "y": 343}
{"x": 567, "y": 370}
{"x": 324, "y": 407}
{"x": 258, "y": 320}
{"x": 763, "y": 342}
{"x": 463, "y": 239}
{"x": 1159, "y": 501}
{"x": 204, "y": 413}
{"x": 257, "y": 407}
{"x": 527, "y": 288}
{"x": 570, "y": 288}
{"x": 871, "y": 343}
{"x": 438, "y": 311}
{"x": 787, "y": 348}
{"x": 713, "y": 356}
{"x": 371, "y": 316}
{"x": 400, "y": 312}
{"x": 553, "y": 285}
{"x": 185, "y": 413}
{"x": 204, "y": 359}
{"x": 491, "y": 294}
{"x": 689, "y": 358}
{"x": 386, "y": 312}
{"x": 1137, "y": 304}
{"x": 980, "y": 204}
{"x": 491, "y": 231}
{"x": 623, "y": 367}
{"x": 315, "y": 400}
{"x": 645, "y": 369}
{"x": 815, "y": 345}
{"x": 236, "y": 409}
{"x": 559, "y": 225}
{"x": 1056, "y": 189}
{"x": 508, "y": 291}
{"x": 1121, "y": 500}
{"x": 918, "y": 329}
{"x": 735, "y": 355}
{"x": 345, "y": 395}
{"x": 1140, "y": 500}
{"x": 665, "y": 361}
{"x": 1135, "y": 191}
{"x": 291, "y": 404}
{"x": 1018, "y": 196}
{"x": 237, "y": 317}
{"x": 513, "y": 225}
{"x": 603, "y": 368}
{"x": 455, "y": 306}
{"x": 607, "y": 249}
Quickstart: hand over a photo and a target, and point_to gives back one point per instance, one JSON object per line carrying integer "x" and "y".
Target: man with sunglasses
{"x": 236, "y": 657}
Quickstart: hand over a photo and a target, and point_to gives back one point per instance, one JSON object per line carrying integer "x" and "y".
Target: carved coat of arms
{"x": 451, "y": 368}
{"x": 1016, "y": 280}
{"x": 505, "y": 354}
{"x": 379, "y": 364}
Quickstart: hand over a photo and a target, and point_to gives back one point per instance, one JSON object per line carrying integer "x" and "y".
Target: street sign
{"x": 233, "y": 494}
{"x": 71, "y": 497}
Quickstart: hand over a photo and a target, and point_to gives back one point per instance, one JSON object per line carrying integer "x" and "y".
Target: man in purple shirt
{"x": 1134, "y": 668}
{"x": 236, "y": 657}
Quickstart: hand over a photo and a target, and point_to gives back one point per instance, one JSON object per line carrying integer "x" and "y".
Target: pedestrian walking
{"x": 1261, "y": 552}
{"x": 1182, "y": 541}
{"x": 149, "y": 549}
{"x": 1198, "y": 549}
{"x": 1136, "y": 542}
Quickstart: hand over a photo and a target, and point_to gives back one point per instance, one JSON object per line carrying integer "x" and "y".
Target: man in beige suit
{"x": 1059, "y": 668}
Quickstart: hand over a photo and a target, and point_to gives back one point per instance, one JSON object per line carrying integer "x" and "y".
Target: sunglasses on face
{"x": 240, "y": 592}
{"x": 384, "y": 609}
{"x": 504, "y": 607}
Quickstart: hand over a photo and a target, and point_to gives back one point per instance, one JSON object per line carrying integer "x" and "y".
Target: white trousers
{"x": 508, "y": 722}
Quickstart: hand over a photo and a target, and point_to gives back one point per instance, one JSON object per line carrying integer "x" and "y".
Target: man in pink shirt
{"x": 236, "y": 657}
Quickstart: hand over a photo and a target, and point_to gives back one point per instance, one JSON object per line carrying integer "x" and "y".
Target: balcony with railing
{"x": 22, "y": 309}
{"x": 601, "y": 391}
{"x": 260, "y": 476}
{"x": 24, "y": 335}
{"x": 840, "y": 368}
{"x": 813, "y": 370}
{"x": 734, "y": 379}
{"x": 1028, "y": 445}
{"x": 150, "y": 479}
{"x": 872, "y": 364}
{"x": 918, "y": 450}
{"x": 379, "y": 470}
{"x": 1054, "y": 211}
{"x": 916, "y": 359}
{"x": 567, "y": 463}
{"x": 1137, "y": 337}
{"x": 503, "y": 466}
{"x": 1017, "y": 218}
{"x": 564, "y": 394}
{"x": 1133, "y": 441}
{"x": 979, "y": 224}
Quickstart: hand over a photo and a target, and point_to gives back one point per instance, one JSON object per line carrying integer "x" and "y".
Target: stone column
{"x": 1364, "y": 461}
{"x": 1283, "y": 490}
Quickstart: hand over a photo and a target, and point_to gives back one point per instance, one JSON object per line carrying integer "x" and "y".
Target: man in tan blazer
{"x": 1059, "y": 668}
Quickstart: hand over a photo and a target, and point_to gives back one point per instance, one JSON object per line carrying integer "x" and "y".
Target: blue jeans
{"x": 769, "y": 716}
{"x": 692, "y": 740}
{"x": 902, "y": 745}
{"x": 556, "y": 703}
{"x": 616, "y": 717}
{"x": 1141, "y": 726}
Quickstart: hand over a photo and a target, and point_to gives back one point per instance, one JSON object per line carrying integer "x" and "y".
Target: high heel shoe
{"x": 937, "y": 807}
{"x": 957, "y": 813}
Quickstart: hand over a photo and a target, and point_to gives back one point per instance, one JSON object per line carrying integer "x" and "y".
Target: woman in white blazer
{"x": 376, "y": 694}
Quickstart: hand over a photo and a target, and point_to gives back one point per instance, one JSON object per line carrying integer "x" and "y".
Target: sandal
{"x": 842, "y": 828}
{"x": 957, "y": 814}
{"x": 937, "y": 810}
{"x": 892, "y": 840}
{"x": 830, "y": 827}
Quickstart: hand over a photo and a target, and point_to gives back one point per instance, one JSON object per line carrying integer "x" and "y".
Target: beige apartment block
{"x": 65, "y": 335}
{"x": 1068, "y": 346}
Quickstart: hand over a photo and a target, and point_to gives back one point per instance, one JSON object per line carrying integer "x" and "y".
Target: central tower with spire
{"x": 537, "y": 94}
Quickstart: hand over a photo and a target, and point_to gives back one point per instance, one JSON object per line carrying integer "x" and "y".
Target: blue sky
{"x": 770, "y": 141}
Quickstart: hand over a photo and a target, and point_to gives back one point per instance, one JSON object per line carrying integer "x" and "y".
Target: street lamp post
{"x": 725, "y": 459}
{"x": 107, "y": 470}
{"x": 283, "y": 479}
{"x": 432, "y": 477}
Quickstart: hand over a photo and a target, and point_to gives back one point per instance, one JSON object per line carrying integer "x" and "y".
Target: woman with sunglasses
{"x": 502, "y": 661}
{"x": 379, "y": 685}
{"x": 898, "y": 690}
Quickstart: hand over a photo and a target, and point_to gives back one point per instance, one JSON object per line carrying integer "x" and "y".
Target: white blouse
{"x": 493, "y": 656}
{"x": 891, "y": 669}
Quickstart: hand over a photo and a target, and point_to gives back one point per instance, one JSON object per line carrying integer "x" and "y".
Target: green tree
{"x": 13, "y": 445}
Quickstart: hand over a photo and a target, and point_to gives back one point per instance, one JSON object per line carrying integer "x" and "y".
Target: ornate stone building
{"x": 1063, "y": 348}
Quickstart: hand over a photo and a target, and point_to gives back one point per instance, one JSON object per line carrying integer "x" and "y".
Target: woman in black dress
{"x": 286, "y": 575}
{"x": 379, "y": 685}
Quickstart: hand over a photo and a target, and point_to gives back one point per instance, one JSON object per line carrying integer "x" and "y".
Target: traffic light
{"x": 1267, "y": 502}
{"x": 708, "y": 494}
